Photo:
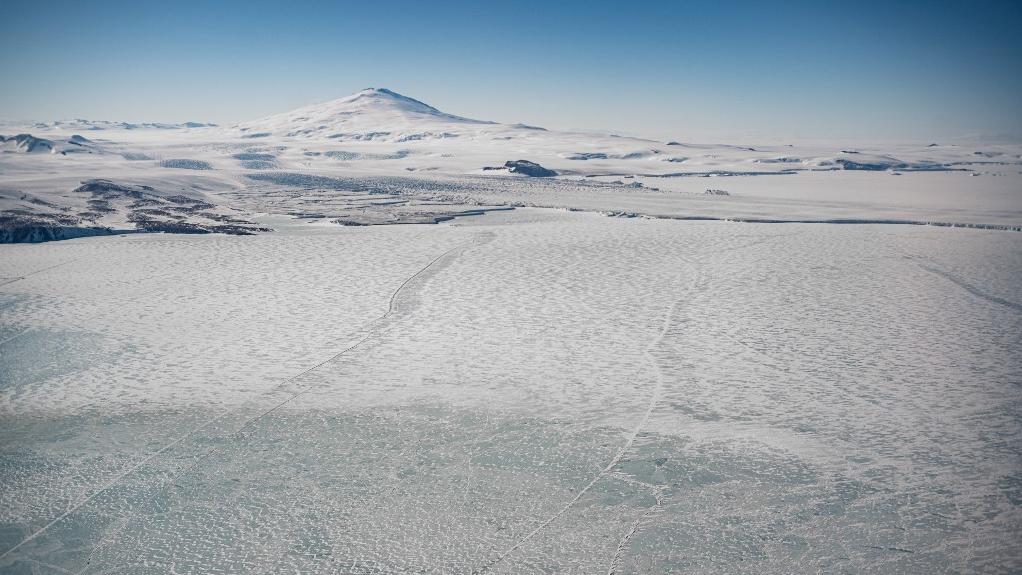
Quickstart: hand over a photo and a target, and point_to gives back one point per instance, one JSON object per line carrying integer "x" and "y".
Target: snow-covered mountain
{"x": 372, "y": 114}
{"x": 79, "y": 124}
{"x": 380, "y": 124}
{"x": 29, "y": 144}
{"x": 377, "y": 156}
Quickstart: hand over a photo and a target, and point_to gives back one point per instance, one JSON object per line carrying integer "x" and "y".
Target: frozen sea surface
{"x": 536, "y": 391}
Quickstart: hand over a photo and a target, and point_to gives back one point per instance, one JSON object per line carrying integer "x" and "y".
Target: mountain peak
{"x": 391, "y": 98}
{"x": 376, "y": 112}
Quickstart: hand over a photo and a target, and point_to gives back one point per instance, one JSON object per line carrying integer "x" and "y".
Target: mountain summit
{"x": 373, "y": 113}
{"x": 384, "y": 98}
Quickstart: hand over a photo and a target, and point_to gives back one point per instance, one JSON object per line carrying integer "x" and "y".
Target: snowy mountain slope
{"x": 80, "y": 124}
{"x": 379, "y": 157}
{"x": 379, "y": 124}
{"x": 372, "y": 114}
{"x": 101, "y": 207}
{"x": 373, "y": 125}
{"x": 29, "y": 144}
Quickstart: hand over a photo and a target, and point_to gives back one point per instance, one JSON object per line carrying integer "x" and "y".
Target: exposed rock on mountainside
{"x": 377, "y": 156}
{"x": 524, "y": 167}
{"x": 27, "y": 143}
{"x": 100, "y": 207}
{"x": 19, "y": 226}
{"x": 150, "y": 211}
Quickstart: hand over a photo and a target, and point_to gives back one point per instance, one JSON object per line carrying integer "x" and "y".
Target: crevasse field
{"x": 542, "y": 389}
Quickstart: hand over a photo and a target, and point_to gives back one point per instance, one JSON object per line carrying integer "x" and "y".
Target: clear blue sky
{"x": 697, "y": 71}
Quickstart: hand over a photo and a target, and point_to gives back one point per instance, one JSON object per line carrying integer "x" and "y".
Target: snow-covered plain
{"x": 537, "y": 390}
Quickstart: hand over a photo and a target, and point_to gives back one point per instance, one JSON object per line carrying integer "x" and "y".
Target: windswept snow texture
{"x": 602, "y": 370}
{"x": 532, "y": 391}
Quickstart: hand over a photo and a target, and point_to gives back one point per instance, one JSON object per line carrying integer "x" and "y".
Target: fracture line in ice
{"x": 19, "y": 278}
{"x": 658, "y": 493}
{"x": 370, "y": 332}
{"x": 696, "y": 282}
{"x": 14, "y": 337}
{"x": 653, "y": 400}
{"x": 971, "y": 288}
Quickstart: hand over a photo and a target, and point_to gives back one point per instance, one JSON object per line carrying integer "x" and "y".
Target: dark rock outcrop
{"x": 582, "y": 156}
{"x": 143, "y": 208}
{"x": 22, "y": 227}
{"x": 524, "y": 167}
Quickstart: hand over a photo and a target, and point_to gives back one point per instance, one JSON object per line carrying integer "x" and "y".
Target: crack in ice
{"x": 19, "y": 278}
{"x": 370, "y": 330}
{"x": 653, "y": 401}
{"x": 971, "y": 288}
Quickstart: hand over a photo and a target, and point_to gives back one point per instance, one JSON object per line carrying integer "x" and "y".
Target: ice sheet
{"x": 519, "y": 392}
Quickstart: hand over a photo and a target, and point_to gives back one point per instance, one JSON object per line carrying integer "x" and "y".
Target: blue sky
{"x": 685, "y": 70}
